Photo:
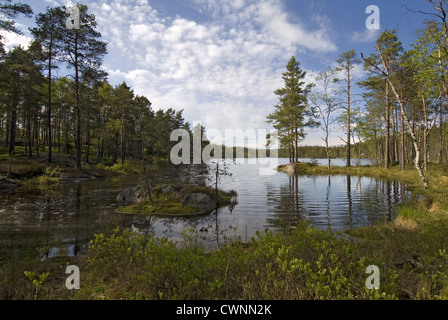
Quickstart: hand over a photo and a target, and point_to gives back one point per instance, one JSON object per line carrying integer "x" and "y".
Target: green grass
{"x": 129, "y": 167}
{"x": 22, "y": 167}
{"x": 161, "y": 206}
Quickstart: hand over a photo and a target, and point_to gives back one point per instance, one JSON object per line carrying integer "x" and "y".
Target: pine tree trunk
{"x": 36, "y": 134}
{"x": 98, "y": 151}
{"x": 122, "y": 137}
{"x": 29, "y": 135}
{"x": 349, "y": 160}
{"x": 296, "y": 144}
{"x": 387, "y": 129}
{"x": 78, "y": 110}
{"x": 50, "y": 145}
{"x": 88, "y": 135}
{"x": 394, "y": 134}
{"x": 12, "y": 134}
{"x": 8, "y": 121}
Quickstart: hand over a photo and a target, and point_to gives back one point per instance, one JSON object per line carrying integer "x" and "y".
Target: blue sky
{"x": 221, "y": 61}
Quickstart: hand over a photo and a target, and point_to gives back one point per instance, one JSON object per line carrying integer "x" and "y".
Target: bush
{"x": 305, "y": 264}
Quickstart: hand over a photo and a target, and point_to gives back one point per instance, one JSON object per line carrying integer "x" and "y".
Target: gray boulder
{"x": 133, "y": 195}
{"x": 199, "y": 200}
{"x": 289, "y": 169}
{"x": 7, "y": 184}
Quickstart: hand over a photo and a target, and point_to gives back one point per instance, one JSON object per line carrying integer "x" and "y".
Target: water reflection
{"x": 336, "y": 202}
{"x": 349, "y": 200}
{"x": 62, "y": 220}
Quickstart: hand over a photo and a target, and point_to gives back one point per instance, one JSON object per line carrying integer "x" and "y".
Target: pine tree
{"x": 293, "y": 114}
{"x": 49, "y": 33}
{"x": 18, "y": 78}
{"x": 124, "y": 97}
{"x": 83, "y": 50}
{"x": 9, "y": 11}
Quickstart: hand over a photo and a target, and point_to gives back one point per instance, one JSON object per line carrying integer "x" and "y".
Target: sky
{"x": 221, "y": 61}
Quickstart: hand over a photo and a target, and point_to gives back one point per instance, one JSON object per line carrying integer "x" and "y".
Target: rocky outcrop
{"x": 8, "y": 184}
{"x": 199, "y": 200}
{"x": 185, "y": 195}
{"x": 289, "y": 169}
{"x": 133, "y": 195}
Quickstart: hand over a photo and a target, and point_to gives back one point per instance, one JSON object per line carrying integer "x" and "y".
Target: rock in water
{"x": 199, "y": 200}
{"x": 7, "y": 184}
{"x": 289, "y": 169}
{"x": 133, "y": 195}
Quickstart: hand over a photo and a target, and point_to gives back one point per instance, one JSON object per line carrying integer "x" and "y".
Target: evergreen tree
{"x": 123, "y": 98}
{"x": 293, "y": 114}
{"x": 49, "y": 34}
{"x": 9, "y": 11}
{"x": 83, "y": 50}
{"x": 17, "y": 80}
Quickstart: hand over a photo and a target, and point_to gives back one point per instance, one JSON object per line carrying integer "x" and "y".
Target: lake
{"x": 61, "y": 221}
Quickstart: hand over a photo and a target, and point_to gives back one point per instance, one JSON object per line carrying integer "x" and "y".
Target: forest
{"x": 80, "y": 113}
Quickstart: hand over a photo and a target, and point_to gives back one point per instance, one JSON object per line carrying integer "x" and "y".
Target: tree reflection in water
{"x": 323, "y": 201}
{"x": 63, "y": 220}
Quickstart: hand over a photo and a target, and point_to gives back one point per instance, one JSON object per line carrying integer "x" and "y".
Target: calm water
{"x": 61, "y": 221}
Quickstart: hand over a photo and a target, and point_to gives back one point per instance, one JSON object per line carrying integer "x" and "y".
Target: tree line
{"x": 80, "y": 112}
{"x": 400, "y": 117}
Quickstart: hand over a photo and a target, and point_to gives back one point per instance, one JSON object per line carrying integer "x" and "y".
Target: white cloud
{"x": 11, "y": 40}
{"x": 223, "y": 71}
{"x": 275, "y": 22}
{"x": 366, "y": 36}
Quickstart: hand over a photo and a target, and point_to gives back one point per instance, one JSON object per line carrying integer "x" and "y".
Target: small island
{"x": 173, "y": 200}
{"x": 297, "y": 168}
